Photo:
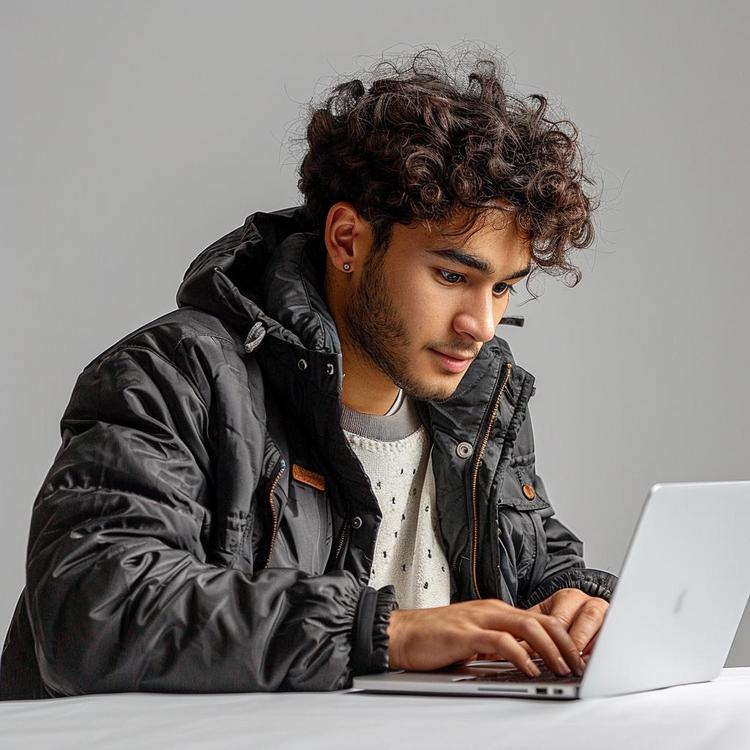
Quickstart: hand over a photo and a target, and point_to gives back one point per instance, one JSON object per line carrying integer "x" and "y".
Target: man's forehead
{"x": 464, "y": 227}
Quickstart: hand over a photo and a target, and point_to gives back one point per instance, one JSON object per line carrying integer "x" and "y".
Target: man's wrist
{"x": 393, "y": 639}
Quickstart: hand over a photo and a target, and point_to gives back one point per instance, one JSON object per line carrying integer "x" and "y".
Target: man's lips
{"x": 454, "y": 356}
{"x": 452, "y": 363}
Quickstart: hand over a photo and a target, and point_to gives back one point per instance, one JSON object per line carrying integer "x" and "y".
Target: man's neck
{"x": 366, "y": 390}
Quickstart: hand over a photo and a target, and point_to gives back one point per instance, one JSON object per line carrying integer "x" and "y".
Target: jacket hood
{"x": 269, "y": 271}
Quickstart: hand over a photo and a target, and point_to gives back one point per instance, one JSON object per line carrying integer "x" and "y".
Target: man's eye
{"x": 446, "y": 274}
{"x": 507, "y": 288}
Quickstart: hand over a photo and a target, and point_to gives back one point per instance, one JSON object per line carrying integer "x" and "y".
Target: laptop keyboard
{"x": 516, "y": 675}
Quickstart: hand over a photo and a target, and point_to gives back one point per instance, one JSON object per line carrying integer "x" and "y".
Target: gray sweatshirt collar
{"x": 399, "y": 422}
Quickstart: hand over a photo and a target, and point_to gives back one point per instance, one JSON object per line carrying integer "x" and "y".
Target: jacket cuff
{"x": 589, "y": 580}
{"x": 370, "y": 643}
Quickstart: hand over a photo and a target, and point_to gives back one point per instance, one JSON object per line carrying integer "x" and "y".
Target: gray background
{"x": 134, "y": 134}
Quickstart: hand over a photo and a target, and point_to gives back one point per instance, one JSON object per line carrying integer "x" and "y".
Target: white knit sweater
{"x": 408, "y": 551}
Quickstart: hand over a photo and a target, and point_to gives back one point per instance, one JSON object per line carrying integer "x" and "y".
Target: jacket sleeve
{"x": 565, "y": 567}
{"x": 119, "y": 594}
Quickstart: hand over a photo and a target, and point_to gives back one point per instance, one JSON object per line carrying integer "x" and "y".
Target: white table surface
{"x": 712, "y": 716}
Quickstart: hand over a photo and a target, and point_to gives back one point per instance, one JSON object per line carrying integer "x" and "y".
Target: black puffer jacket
{"x": 205, "y": 526}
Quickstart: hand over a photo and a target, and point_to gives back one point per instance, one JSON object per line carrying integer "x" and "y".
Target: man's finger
{"x": 501, "y": 645}
{"x": 549, "y": 638}
{"x": 587, "y": 622}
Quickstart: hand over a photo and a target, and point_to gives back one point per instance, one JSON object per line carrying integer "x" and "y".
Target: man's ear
{"x": 346, "y": 237}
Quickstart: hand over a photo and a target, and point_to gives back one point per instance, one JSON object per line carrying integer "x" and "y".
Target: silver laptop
{"x": 671, "y": 621}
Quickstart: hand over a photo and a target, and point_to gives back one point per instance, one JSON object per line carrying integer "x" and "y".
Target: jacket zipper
{"x": 274, "y": 515}
{"x": 341, "y": 540}
{"x": 474, "y": 476}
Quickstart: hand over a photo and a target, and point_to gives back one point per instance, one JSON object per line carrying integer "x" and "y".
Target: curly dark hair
{"x": 417, "y": 145}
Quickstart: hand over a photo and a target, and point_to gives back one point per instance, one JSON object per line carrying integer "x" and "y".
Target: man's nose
{"x": 478, "y": 320}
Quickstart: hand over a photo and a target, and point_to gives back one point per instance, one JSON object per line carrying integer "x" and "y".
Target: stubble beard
{"x": 378, "y": 333}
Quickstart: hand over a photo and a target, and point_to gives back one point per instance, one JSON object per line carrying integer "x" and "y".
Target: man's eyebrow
{"x": 472, "y": 261}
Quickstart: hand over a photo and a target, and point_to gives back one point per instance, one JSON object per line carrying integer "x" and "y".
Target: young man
{"x": 322, "y": 463}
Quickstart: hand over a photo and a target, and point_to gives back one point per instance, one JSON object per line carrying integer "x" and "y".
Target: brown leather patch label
{"x": 309, "y": 477}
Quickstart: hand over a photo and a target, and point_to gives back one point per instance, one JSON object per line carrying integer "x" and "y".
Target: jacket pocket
{"x": 520, "y": 512}
{"x": 521, "y": 488}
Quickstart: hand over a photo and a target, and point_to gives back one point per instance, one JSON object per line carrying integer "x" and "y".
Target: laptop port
{"x": 541, "y": 691}
{"x": 558, "y": 691}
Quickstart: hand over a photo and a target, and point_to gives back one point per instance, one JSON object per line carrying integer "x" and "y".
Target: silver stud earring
{"x": 347, "y": 267}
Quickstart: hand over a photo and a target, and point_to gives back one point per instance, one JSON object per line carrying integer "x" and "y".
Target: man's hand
{"x": 426, "y": 639}
{"x": 580, "y": 614}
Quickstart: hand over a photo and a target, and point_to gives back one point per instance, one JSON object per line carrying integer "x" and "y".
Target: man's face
{"x": 411, "y": 301}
